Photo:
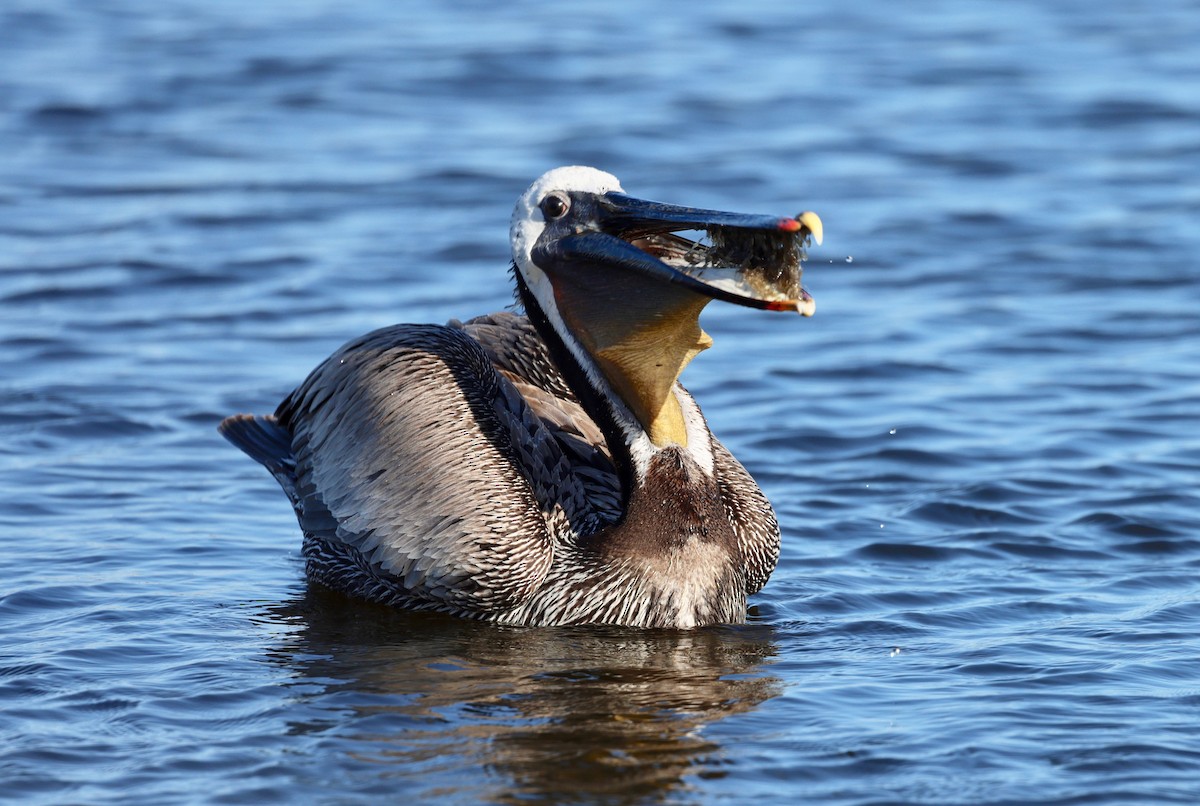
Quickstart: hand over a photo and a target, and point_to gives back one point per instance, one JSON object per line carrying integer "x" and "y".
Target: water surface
{"x": 983, "y": 449}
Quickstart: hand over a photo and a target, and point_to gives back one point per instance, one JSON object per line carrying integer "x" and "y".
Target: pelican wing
{"x": 519, "y": 353}
{"x": 410, "y": 448}
{"x": 514, "y": 345}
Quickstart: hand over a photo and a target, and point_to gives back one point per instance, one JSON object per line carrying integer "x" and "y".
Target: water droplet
{"x": 895, "y": 651}
{"x": 892, "y": 431}
{"x": 849, "y": 259}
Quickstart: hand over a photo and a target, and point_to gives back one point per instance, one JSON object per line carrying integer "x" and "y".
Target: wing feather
{"x": 403, "y": 442}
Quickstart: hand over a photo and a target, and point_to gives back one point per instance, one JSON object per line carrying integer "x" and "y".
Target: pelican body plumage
{"x": 546, "y": 468}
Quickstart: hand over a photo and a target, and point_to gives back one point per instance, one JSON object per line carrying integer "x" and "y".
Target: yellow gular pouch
{"x": 642, "y": 331}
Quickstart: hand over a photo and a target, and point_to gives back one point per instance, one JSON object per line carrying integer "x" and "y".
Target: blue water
{"x": 984, "y": 449}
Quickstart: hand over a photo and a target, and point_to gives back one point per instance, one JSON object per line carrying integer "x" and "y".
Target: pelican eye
{"x": 555, "y": 206}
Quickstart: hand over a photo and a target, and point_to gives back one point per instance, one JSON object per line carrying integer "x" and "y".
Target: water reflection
{"x": 550, "y": 713}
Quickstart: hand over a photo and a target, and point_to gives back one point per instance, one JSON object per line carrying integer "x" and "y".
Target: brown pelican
{"x": 547, "y": 468}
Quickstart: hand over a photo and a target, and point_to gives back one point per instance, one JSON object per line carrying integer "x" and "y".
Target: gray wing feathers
{"x": 514, "y": 346}
{"x": 593, "y": 497}
{"x": 405, "y": 438}
{"x": 260, "y": 438}
{"x": 263, "y": 440}
{"x": 585, "y": 456}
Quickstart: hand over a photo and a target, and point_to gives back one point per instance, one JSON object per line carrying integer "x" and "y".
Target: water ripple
{"x": 982, "y": 449}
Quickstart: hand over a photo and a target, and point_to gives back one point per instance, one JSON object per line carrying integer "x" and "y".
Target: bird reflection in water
{"x": 548, "y": 713}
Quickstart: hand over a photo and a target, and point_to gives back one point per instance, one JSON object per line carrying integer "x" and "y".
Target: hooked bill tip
{"x": 812, "y": 222}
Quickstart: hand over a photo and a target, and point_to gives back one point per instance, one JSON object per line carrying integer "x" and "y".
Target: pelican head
{"x": 622, "y": 281}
